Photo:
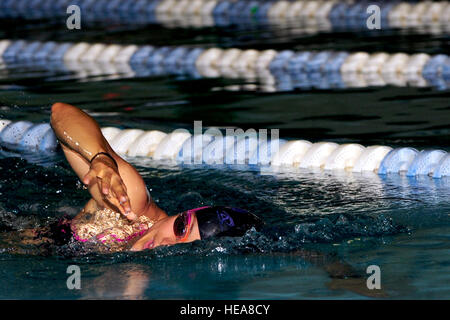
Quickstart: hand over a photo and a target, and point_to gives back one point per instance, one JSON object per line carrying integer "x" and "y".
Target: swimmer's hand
{"x": 104, "y": 171}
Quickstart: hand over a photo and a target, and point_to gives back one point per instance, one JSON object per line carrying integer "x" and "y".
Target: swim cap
{"x": 221, "y": 221}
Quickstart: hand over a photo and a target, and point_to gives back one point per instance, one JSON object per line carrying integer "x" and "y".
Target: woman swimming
{"x": 121, "y": 214}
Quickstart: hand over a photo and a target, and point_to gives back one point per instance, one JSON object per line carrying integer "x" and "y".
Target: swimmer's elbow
{"x": 58, "y": 107}
{"x": 59, "y": 111}
{"x": 56, "y": 110}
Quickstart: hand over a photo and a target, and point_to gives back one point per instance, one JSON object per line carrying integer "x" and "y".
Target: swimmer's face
{"x": 162, "y": 233}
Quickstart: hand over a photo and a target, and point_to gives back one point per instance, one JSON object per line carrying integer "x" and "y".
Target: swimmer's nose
{"x": 149, "y": 244}
{"x": 166, "y": 242}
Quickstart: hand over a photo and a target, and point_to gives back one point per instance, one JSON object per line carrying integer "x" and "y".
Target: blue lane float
{"x": 48, "y": 143}
{"x": 26, "y": 136}
{"x": 398, "y": 160}
{"x": 435, "y": 66}
{"x": 33, "y": 137}
{"x": 278, "y": 65}
{"x": 425, "y": 162}
{"x": 12, "y": 134}
{"x": 443, "y": 168}
{"x": 212, "y": 148}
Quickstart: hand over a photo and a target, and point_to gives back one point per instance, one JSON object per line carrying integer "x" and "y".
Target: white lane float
{"x": 165, "y": 6}
{"x": 124, "y": 139}
{"x": 179, "y": 8}
{"x": 124, "y": 55}
{"x": 395, "y": 64}
{"x": 324, "y": 9}
{"x": 398, "y": 14}
{"x": 414, "y": 67}
{"x": 207, "y": 62}
{"x": 110, "y": 133}
{"x": 246, "y": 61}
{"x": 76, "y": 51}
{"x": 417, "y": 12}
{"x": 371, "y": 159}
{"x": 194, "y": 7}
{"x": 309, "y": 9}
{"x": 433, "y": 14}
{"x": 93, "y": 52}
{"x": 215, "y": 151}
{"x": 208, "y": 7}
{"x": 241, "y": 150}
{"x": 4, "y": 44}
{"x": 445, "y": 15}
{"x": 264, "y": 59}
{"x": 170, "y": 145}
{"x": 317, "y": 155}
{"x": 3, "y": 124}
{"x": 416, "y": 63}
{"x": 375, "y": 62}
{"x": 185, "y": 12}
{"x": 278, "y": 9}
{"x": 209, "y": 57}
{"x": 291, "y": 153}
{"x": 228, "y": 57}
{"x": 274, "y": 70}
{"x": 146, "y": 144}
{"x": 192, "y": 150}
{"x": 109, "y": 53}
{"x": 344, "y": 157}
{"x": 214, "y": 148}
{"x": 294, "y": 9}
{"x": 265, "y": 152}
{"x": 355, "y": 62}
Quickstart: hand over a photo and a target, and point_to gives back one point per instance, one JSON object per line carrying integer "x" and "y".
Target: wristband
{"x": 106, "y": 154}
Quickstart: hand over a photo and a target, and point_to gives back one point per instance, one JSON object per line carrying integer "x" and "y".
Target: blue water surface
{"x": 319, "y": 225}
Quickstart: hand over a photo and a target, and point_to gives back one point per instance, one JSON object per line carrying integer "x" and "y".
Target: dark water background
{"x": 400, "y": 224}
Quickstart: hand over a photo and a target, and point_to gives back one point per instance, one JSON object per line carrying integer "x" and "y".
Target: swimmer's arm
{"x": 81, "y": 138}
{"x": 78, "y": 131}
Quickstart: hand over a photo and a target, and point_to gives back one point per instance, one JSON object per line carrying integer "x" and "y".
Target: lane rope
{"x": 211, "y": 147}
{"x": 284, "y": 70}
{"x": 317, "y": 15}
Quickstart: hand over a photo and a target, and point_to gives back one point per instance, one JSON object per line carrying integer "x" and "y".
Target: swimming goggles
{"x": 182, "y": 225}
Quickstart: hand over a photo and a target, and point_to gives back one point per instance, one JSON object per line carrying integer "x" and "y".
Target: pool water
{"x": 314, "y": 220}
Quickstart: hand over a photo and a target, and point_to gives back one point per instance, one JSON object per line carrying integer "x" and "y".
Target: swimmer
{"x": 122, "y": 214}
